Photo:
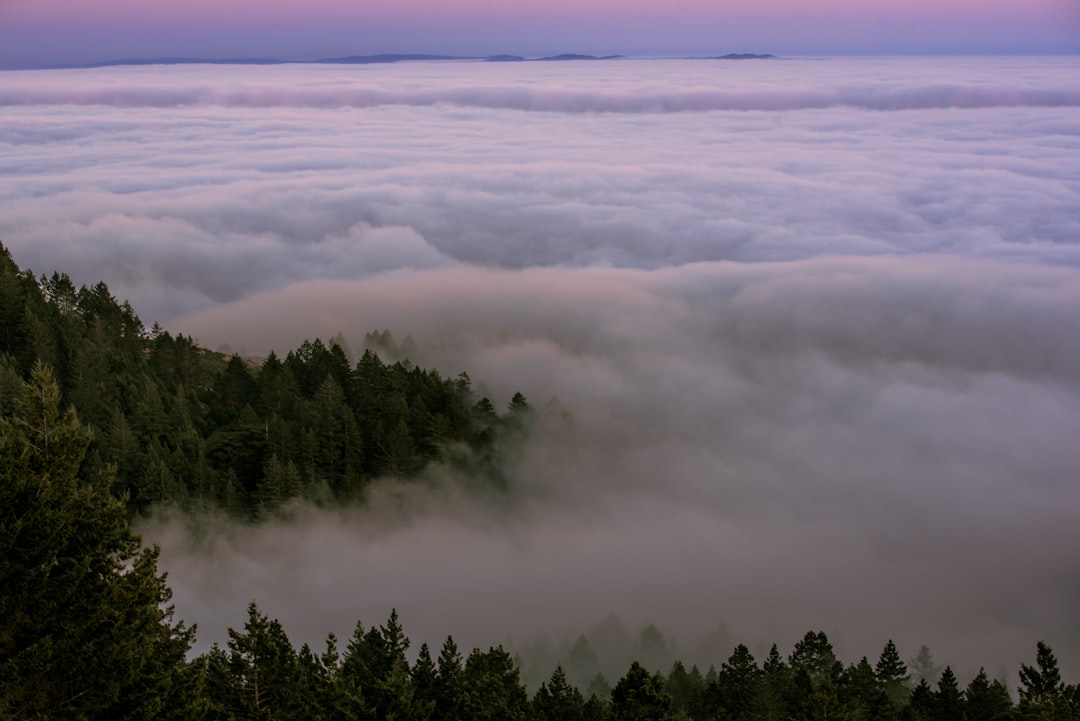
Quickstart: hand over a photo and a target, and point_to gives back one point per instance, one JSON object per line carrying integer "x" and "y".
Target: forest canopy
{"x": 101, "y": 418}
{"x": 183, "y": 425}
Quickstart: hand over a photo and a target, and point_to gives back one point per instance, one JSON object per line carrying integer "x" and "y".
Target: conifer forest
{"x": 104, "y": 419}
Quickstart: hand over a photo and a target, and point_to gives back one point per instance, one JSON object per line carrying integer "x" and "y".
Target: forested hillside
{"x": 99, "y": 418}
{"x": 183, "y": 425}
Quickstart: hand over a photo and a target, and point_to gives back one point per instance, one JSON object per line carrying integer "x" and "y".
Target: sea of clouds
{"x": 804, "y": 333}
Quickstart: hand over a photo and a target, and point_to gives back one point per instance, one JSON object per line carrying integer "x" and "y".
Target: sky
{"x": 50, "y": 32}
{"x": 803, "y": 333}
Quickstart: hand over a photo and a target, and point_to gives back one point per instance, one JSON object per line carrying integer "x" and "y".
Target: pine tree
{"x": 582, "y": 664}
{"x": 923, "y": 667}
{"x": 861, "y": 694}
{"x": 986, "y": 700}
{"x": 822, "y": 703}
{"x": 774, "y": 698}
{"x": 423, "y": 675}
{"x": 921, "y": 705}
{"x": 85, "y": 626}
{"x": 686, "y": 689}
{"x": 449, "y": 683}
{"x": 948, "y": 699}
{"x": 651, "y": 649}
{"x": 16, "y": 300}
{"x": 558, "y": 700}
{"x": 892, "y": 676}
{"x": 264, "y": 667}
{"x": 492, "y": 687}
{"x": 814, "y": 655}
{"x": 313, "y": 685}
{"x": 1042, "y": 692}
{"x": 639, "y": 696}
{"x": 736, "y": 684}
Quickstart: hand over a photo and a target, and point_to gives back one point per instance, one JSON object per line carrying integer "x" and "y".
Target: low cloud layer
{"x": 553, "y": 99}
{"x": 815, "y": 364}
{"x": 876, "y": 447}
{"x": 180, "y": 208}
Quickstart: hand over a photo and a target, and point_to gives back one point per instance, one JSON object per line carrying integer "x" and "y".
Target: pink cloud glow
{"x": 260, "y": 11}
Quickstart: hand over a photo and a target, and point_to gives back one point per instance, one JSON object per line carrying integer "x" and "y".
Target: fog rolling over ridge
{"x": 816, "y": 365}
{"x": 871, "y": 446}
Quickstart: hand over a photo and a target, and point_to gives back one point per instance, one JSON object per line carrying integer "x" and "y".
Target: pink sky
{"x": 262, "y": 10}
{"x": 59, "y": 31}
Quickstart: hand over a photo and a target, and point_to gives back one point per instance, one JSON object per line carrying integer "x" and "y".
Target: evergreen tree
{"x": 313, "y": 685}
{"x": 774, "y": 699}
{"x": 388, "y": 670}
{"x": 948, "y": 699}
{"x": 687, "y": 690}
{"x": 280, "y": 482}
{"x": 265, "y": 669}
{"x": 218, "y": 697}
{"x": 558, "y": 700}
{"x": 1042, "y": 692}
{"x": 921, "y": 705}
{"x": 424, "y": 675}
{"x": 861, "y": 694}
{"x": 923, "y": 667}
{"x": 344, "y": 699}
{"x": 492, "y": 689}
{"x": 338, "y": 445}
{"x": 17, "y": 299}
{"x": 822, "y": 702}
{"x": 449, "y": 683}
{"x": 651, "y": 649}
{"x": 598, "y": 687}
{"x": 892, "y": 676}
{"x": 582, "y": 664}
{"x": 639, "y": 696}
{"x": 736, "y": 685}
{"x": 987, "y": 700}
{"x": 814, "y": 655}
{"x": 85, "y": 626}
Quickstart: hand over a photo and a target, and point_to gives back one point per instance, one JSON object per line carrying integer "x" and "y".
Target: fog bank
{"x": 185, "y": 204}
{"x": 880, "y": 448}
{"x": 802, "y": 334}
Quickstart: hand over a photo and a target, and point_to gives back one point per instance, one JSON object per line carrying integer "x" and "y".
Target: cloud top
{"x": 556, "y": 100}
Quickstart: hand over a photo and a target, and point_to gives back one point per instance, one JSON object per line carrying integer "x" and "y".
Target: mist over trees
{"x": 180, "y": 425}
{"x": 101, "y": 418}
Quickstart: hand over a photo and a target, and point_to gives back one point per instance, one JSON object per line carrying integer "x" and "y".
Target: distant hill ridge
{"x": 384, "y": 58}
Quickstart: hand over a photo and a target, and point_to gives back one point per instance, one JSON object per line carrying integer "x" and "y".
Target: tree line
{"x": 185, "y": 426}
{"x": 86, "y": 626}
{"x": 259, "y": 674}
{"x": 87, "y": 632}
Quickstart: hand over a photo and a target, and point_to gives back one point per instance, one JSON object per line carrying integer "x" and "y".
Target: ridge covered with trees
{"x": 86, "y": 626}
{"x": 186, "y": 426}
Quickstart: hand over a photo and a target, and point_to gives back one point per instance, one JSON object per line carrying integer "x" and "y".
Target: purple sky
{"x": 41, "y": 32}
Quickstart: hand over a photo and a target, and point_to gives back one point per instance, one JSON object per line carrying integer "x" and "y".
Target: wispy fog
{"x": 802, "y": 335}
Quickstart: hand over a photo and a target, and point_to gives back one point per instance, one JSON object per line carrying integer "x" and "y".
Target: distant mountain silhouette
{"x": 386, "y": 58}
{"x": 381, "y": 58}
{"x": 179, "y": 61}
{"x": 575, "y": 56}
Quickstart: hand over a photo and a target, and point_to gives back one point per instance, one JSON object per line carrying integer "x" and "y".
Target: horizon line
{"x": 411, "y": 57}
